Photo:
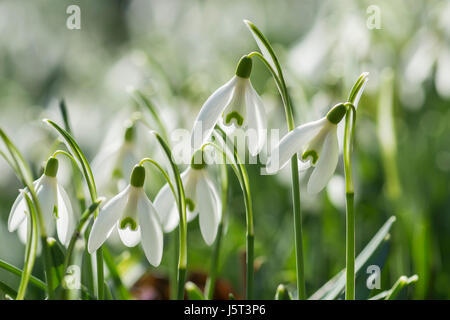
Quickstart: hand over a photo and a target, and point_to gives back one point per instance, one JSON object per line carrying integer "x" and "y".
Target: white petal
{"x": 210, "y": 113}
{"x": 106, "y": 219}
{"x": 22, "y": 232}
{"x": 18, "y": 209}
{"x": 129, "y": 237}
{"x": 46, "y": 193}
{"x": 292, "y": 143}
{"x": 189, "y": 179}
{"x": 151, "y": 231}
{"x": 166, "y": 207}
{"x": 210, "y": 209}
{"x": 103, "y": 165}
{"x": 326, "y": 164}
{"x": 17, "y": 214}
{"x": 304, "y": 165}
{"x": 65, "y": 223}
{"x": 256, "y": 119}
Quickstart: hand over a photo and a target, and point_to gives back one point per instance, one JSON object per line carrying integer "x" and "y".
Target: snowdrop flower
{"x": 201, "y": 197}
{"x": 134, "y": 216}
{"x": 239, "y": 105}
{"x": 54, "y": 203}
{"x": 117, "y": 160}
{"x": 317, "y": 145}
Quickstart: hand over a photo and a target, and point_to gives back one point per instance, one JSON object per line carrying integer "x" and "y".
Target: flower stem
{"x": 270, "y": 60}
{"x": 30, "y": 251}
{"x": 298, "y": 230}
{"x": 349, "y": 196}
{"x": 242, "y": 175}
{"x": 210, "y": 282}
{"x": 89, "y": 177}
{"x": 22, "y": 169}
{"x": 182, "y": 257}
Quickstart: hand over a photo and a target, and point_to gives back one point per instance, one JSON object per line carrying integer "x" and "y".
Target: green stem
{"x": 140, "y": 100}
{"x": 350, "y": 248}
{"x": 211, "y": 281}
{"x": 24, "y": 173}
{"x": 89, "y": 177}
{"x": 175, "y": 194}
{"x": 114, "y": 274}
{"x": 182, "y": 258}
{"x": 30, "y": 252}
{"x": 242, "y": 175}
{"x": 100, "y": 274}
{"x": 77, "y": 233}
{"x": 349, "y": 196}
{"x": 277, "y": 74}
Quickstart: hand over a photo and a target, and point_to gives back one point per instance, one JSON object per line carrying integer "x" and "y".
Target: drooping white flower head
{"x": 117, "y": 160}
{"x": 134, "y": 216}
{"x": 240, "y": 107}
{"x": 202, "y": 199}
{"x": 54, "y": 203}
{"x": 317, "y": 145}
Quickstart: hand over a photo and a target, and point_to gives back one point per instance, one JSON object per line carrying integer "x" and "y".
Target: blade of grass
{"x": 336, "y": 285}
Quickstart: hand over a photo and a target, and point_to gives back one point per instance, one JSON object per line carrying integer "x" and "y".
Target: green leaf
{"x": 335, "y": 286}
{"x": 143, "y": 101}
{"x": 265, "y": 47}
{"x": 122, "y": 291}
{"x": 193, "y": 292}
{"x": 7, "y": 290}
{"x": 378, "y": 258}
{"x": 23, "y": 171}
{"x": 57, "y": 254}
{"x": 358, "y": 86}
{"x": 18, "y": 272}
{"x": 401, "y": 283}
{"x": 79, "y": 156}
{"x": 30, "y": 249}
{"x": 396, "y": 289}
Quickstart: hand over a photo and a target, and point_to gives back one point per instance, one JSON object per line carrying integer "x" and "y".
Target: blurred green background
{"x": 179, "y": 52}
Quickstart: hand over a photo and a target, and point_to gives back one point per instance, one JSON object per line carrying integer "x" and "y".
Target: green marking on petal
{"x": 198, "y": 161}
{"x": 55, "y": 212}
{"x": 234, "y": 115}
{"x": 190, "y": 204}
{"x": 128, "y": 222}
{"x": 117, "y": 174}
{"x": 130, "y": 133}
{"x": 310, "y": 153}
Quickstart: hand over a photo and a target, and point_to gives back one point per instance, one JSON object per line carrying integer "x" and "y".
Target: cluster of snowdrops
{"x": 43, "y": 206}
